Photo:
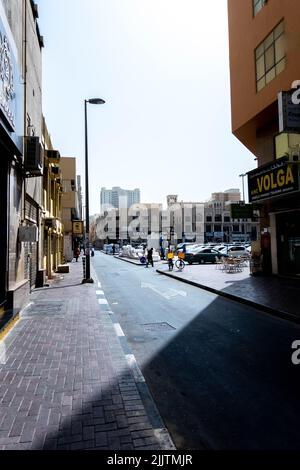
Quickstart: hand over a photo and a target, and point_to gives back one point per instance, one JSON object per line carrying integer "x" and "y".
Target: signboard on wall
{"x": 288, "y": 112}
{"x": 11, "y": 88}
{"x": 77, "y": 227}
{"x": 241, "y": 211}
{"x": 274, "y": 179}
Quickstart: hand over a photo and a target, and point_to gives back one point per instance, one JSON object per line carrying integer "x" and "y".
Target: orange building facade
{"x": 264, "y": 43}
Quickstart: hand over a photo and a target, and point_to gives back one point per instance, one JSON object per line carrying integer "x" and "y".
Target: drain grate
{"x": 42, "y": 307}
{"x": 163, "y": 326}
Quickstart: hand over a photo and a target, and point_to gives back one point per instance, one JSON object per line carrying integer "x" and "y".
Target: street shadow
{"x": 224, "y": 381}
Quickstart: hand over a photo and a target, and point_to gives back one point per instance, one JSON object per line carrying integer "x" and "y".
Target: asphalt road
{"x": 220, "y": 372}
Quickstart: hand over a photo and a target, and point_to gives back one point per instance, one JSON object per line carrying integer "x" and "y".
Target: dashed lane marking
{"x": 118, "y": 329}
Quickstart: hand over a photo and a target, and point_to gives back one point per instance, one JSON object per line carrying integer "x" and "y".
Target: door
{"x": 3, "y": 225}
{"x": 288, "y": 243}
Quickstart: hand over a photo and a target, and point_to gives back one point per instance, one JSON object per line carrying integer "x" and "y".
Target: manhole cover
{"x": 163, "y": 326}
{"x": 42, "y": 307}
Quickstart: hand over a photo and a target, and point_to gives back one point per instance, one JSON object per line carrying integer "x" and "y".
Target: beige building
{"x": 70, "y": 205}
{"x": 220, "y": 226}
{"x": 52, "y": 233}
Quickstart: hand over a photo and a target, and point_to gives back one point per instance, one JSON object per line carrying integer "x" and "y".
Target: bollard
{"x": 83, "y": 266}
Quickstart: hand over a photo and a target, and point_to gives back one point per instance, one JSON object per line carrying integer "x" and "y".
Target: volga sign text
{"x": 272, "y": 180}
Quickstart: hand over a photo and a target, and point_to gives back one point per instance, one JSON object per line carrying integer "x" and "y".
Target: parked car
{"x": 203, "y": 255}
{"x": 235, "y": 251}
{"x": 185, "y": 246}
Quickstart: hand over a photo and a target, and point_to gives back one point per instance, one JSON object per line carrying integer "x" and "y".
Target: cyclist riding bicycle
{"x": 170, "y": 257}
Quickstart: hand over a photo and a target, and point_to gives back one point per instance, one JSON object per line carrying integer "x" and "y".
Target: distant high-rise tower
{"x": 118, "y": 197}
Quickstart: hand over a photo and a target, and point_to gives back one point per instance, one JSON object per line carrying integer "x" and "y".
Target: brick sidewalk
{"x": 65, "y": 382}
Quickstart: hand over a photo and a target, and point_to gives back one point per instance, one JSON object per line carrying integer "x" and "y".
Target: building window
{"x": 257, "y": 6}
{"x": 208, "y": 228}
{"x": 218, "y": 218}
{"x": 235, "y": 228}
{"x": 218, "y": 228}
{"x": 226, "y": 218}
{"x": 270, "y": 57}
{"x": 208, "y": 218}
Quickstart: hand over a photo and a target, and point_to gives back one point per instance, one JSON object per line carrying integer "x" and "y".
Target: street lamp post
{"x": 87, "y": 215}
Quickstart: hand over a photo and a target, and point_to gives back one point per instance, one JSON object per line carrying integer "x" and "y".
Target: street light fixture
{"x": 88, "y": 278}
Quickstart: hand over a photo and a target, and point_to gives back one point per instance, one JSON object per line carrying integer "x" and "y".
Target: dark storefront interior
{"x": 288, "y": 243}
{"x": 3, "y": 222}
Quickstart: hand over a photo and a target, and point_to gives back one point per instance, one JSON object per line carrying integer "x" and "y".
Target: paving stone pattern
{"x": 66, "y": 383}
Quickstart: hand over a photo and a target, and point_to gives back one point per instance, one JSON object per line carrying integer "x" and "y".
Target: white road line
{"x": 167, "y": 294}
{"x": 131, "y": 361}
{"x": 102, "y": 301}
{"x": 99, "y": 292}
{"x": 99, "y": 284}
{"x": 118, "y": 329}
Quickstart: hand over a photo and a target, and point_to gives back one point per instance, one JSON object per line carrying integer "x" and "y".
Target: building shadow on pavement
{"x": 225, "y": 381}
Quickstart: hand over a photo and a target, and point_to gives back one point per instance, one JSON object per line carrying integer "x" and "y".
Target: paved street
{"x": 220, "y": 372}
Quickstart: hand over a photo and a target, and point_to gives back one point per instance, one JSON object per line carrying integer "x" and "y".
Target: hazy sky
{"x": 162, "y": 68}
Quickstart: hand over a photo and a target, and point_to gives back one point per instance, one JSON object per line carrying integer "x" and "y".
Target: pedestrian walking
{"x": 113, "y": 249}
{"x": 150, "y": 257}
{"x": 76, "y": 253}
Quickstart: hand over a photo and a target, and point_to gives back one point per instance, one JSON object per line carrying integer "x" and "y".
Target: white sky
{"x": 162, "y": 68}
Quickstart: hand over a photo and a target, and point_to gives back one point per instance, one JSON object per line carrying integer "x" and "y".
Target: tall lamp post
{"x": 87, "y": 215}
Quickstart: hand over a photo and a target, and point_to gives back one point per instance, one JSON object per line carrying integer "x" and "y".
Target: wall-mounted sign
{"x": 28, "y": 233}
{"x": 6, "y": 82}
{"x": 288, "y": 112}
{"x": 11, "y": 87}
{"x": 77, "y": 227}
{"x": 274, "y": 179}
{"x": 241, "y": 211}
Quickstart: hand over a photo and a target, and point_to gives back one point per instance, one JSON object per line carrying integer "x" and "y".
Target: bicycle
{"x": 179, "y": 263}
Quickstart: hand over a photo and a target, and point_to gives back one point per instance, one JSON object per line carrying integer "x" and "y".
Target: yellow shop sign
{"x": 272, "y": 180}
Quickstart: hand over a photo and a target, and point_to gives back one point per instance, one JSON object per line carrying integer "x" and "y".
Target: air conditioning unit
{"x": 33, "y": 156}
{"x": 55, "y": 170}
{"x": 50, "y": 222}
{"x": 53, "y": 155}
{"x": 294, "y": 155}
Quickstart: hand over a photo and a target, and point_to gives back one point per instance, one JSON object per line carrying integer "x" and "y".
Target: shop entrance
{"x": 3, "y": 226}
{"x": 288, "y": 243}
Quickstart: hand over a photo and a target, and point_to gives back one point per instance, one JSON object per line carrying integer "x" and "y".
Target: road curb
{"x": 161, "y": 432}
{"x": 278, "y": 313}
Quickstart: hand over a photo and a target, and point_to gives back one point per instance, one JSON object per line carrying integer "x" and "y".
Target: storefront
{"x": 11, "y": 150}
{"x": 275, "y": 189}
